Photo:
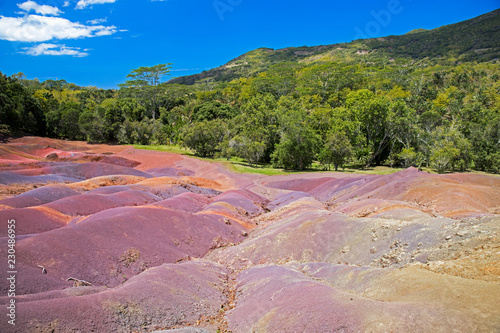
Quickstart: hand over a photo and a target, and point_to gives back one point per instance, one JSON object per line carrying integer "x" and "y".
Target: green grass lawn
{"x": 175, "y": 149}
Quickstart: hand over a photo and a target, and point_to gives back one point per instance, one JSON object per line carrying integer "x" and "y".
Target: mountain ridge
{"x": 475, "y": 39}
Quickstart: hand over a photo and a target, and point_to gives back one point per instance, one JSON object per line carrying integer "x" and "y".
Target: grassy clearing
{"x": 174, "y": 149}
{"x": 239, "y": 165}
{"x": 243, "y": 167}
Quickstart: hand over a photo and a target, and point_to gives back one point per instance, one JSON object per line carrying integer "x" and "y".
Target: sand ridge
{"x": 157, "y": 241}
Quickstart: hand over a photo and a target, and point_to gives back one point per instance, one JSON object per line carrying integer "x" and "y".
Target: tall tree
{"x": 298, "y": 144}
{"x": 146, "y": 84}
{"x": 372, "y": 112}
{"x": 205, "y": 137}
{"x": 337, "y": 149}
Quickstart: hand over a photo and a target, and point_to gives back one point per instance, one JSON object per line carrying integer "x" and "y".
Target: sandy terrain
{"x": 114, "y": 239}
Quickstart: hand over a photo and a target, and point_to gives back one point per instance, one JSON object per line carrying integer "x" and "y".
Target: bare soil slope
{"x": 114, "y": 239}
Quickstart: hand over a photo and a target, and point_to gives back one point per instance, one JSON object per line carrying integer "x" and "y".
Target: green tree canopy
{"x": 145, "y": 83}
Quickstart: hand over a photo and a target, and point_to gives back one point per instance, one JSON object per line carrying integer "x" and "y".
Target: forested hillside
{"x": 471, "y": 40}
{"x": 429, "y": 98}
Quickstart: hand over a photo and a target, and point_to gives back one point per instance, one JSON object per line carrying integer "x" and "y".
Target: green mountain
{"x": 477, "y": 39}
{"x": 416, "y": 31}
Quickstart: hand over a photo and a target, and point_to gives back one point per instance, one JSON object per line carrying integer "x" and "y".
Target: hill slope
{"x": 476, "y": 39}
{"x": 216, "y": 251}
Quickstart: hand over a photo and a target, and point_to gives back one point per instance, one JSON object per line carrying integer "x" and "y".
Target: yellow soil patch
{"x": 103, "y": 181}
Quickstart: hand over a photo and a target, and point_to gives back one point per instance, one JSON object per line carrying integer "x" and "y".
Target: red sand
{"x": 280, "y": 299}
{"x": 159, "y": 235}
{"x": 39, "y": 196}
{"x": 32, "y": 220}
{"x": 88, "y": 204}
{"x": 169, "y": 241}
{"x": 164, "y": 296}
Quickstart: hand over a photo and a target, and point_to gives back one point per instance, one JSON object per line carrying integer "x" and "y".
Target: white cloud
{"x": 104, "y": 32}
{"x": 97, "y": 21}
{"x": 39, "y": 9}
{"x": 36, "y": 28}
{"x": 85, "y": 3}
{"x": 55, "y": 50}
{"x": 66, "y": 4}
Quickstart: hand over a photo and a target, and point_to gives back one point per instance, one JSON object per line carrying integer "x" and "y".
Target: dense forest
{"x": 350, "y": 105}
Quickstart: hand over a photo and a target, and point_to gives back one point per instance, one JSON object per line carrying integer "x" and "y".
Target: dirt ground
{"x": 111, "y": 238}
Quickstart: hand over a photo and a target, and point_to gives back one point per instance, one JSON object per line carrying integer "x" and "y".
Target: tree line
{"x": 396, "y": 113}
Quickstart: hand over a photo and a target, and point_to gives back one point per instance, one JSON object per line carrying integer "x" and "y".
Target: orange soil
{"x": 97, "y": 182}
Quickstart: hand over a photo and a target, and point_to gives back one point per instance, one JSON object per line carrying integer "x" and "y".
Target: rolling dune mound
{"x": 33, "y": 220}
{"x": 109, "y": 247}
{"x": 448, "y": 195}
{"x": 170, "y": 296}
{"x": 283, "y": 299}
{"x": 187, "y": 201}
{"x": 114, "y": 239}
{"x": 88, "y": 204}
{"x": 39, "y": 196}
{"x": 12, "y": 179}
{"x": 104, "y": 182}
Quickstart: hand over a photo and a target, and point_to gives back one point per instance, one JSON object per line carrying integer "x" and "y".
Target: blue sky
{"x": 98, "y": 42}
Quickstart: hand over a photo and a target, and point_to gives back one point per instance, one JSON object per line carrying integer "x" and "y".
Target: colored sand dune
{"x": 114, "y": 239}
